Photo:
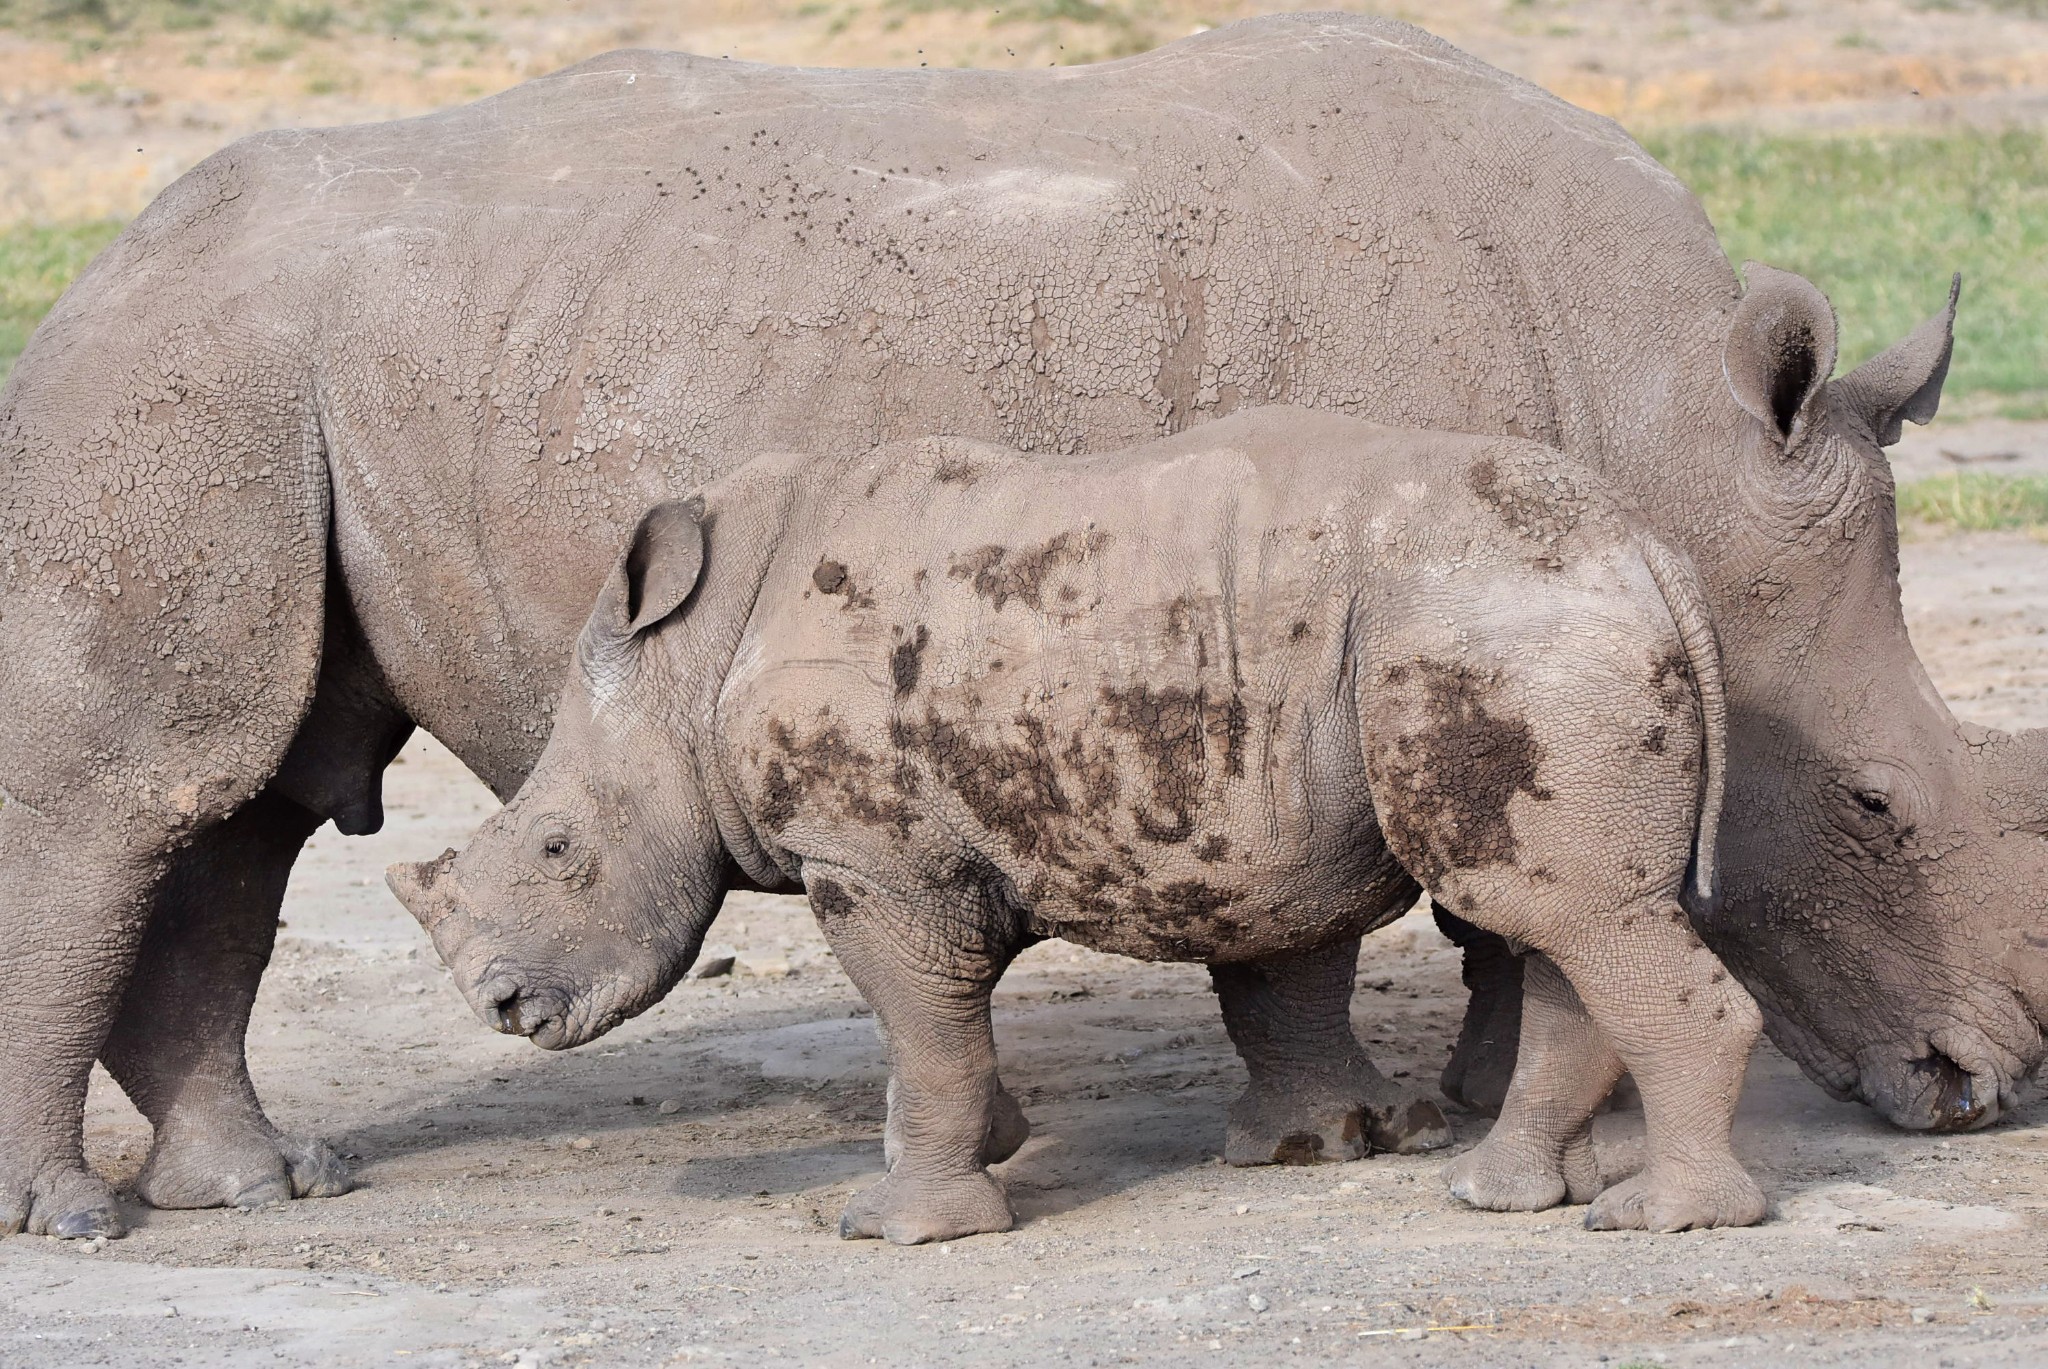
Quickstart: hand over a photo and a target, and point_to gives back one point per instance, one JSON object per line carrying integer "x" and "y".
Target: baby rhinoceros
{"x": 1226, "y": 698}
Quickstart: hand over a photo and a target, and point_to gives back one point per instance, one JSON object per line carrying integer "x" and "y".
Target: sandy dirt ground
{"x": 670, "y": 1193}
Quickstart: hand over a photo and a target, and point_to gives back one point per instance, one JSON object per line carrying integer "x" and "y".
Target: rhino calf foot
{"x": 1518, "y": 1172}
{"x": 245, "y": 1168}
{"x": 912, "y": 1211}
{"x": 69, "y": 1203}
{"x": 1672, "y": 1197}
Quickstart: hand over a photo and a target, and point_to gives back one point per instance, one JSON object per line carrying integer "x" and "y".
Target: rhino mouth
{"x": 540, "y": 1015}
{"x": 1954, "y": 1081}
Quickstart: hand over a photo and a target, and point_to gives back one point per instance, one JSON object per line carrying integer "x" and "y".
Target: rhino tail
{"x": 1679, "y": 583}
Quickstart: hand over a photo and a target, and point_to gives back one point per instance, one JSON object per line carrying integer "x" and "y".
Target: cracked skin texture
{"x": 353, "y": 419}
{"x": 1173, "y": 772}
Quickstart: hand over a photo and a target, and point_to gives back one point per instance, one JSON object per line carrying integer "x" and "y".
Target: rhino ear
{"x": 1903, "y": 381}
{"x": 656, "y": 571}
{"x": 1780, "y": 352}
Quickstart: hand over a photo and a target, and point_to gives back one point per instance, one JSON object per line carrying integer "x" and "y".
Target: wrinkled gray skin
{"x": 1223, "y": 698}
{"x": 342, "y": 434}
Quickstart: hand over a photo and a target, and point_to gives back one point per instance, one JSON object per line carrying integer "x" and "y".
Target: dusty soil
{"x": 95, "y": 122}
{"x": 669, "y": 1194}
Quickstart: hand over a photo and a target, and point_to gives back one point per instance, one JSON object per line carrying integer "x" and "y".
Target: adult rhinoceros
{"x": 344, "y": 432}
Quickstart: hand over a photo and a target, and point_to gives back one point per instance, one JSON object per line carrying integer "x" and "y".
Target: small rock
{"x": 670, "y": 1106}
{"x": 171, "y": 1311}
{"x": 1922, "y": 1315}
{"x": 603, "y": 1212}
{"x": 764, "y": 969}
{"x": 717, "y": 967}
{"x": 1243, "y": 1208}
{"x": 582, "y": 1143}
{"x": 1257, "y": 1302}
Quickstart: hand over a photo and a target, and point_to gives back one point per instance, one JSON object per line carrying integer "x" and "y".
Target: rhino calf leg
{"x": 177, "y": 1045}
{"x": 927, "y": 969}
{"x": 1313, "y": 1095}
{"x": 1483, "y": 1060}
{"x": 1540, "y": 1152}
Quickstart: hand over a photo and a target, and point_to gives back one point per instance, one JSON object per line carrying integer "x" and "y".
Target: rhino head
{"x": 1882, "y": 861}
{"x": 584, "y": 899}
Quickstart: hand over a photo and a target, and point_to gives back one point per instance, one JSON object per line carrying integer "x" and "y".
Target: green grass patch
{"x": 90, "y": 23}
{"x": 1879, "y": 222}
{"x": 36, "y": 263}
{"x": 1973, "y": 501}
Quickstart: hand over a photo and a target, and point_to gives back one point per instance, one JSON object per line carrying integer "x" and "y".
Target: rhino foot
{"x": 70, "y": 1203}
{"x": 245, "y": 1169}
{"x": 1521, "y": 1173}
{"x": 913, "y": 1211}
{"x": 1671, "y": 1197}
{"x": 1330, "y": 1122}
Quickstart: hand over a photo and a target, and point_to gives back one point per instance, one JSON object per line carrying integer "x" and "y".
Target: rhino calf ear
{"x": 1780, "y": 351}
{"x": 659, "y": 567}
{"x": 1903, "y": 381}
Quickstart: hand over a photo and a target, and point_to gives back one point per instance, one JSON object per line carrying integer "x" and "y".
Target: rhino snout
{"x": 517, "y": 1009}
{"x": 1936, "y": 1089}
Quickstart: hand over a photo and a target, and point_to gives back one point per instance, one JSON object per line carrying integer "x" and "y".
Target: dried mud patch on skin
{"x": 906, "y": 662}
{"x": 1173, "y": 728}
{"x": 1543, "y": 506}
{"x": 1453, "y": 779}
{"x": 1000, "y": 574}
{"x": 1012, "y": 788}
{"x": 825, "y": 765}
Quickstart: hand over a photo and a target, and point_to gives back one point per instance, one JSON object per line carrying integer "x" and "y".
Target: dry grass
{"x": 1971, "y": 501}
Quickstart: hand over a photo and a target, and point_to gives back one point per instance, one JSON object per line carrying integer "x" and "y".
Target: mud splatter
{"x": 906, "y": 662}
{"x": 1012, "y": 788}
{"x": 1450, "y": 782}
{"x": 826, "y": 766}
{"x": 829, "y": 901}
{"x": 1000, "y": 574}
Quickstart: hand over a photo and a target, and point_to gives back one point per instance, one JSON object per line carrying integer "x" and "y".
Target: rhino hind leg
{"x": 1540, "y": 1153}
{"x": 1483, "y": 1060}
{"x": 71, "y": 941}
{"x": 177, "y": 1046}
{"x": 1314, "y": 1095}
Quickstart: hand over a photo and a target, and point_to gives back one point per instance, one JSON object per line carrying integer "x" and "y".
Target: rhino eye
{"x": 555, "y": 846}
{"x": 1870, "y": 801}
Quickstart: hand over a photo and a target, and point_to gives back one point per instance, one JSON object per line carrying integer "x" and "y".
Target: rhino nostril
{"x": 1955, "y": 1104}
{"x": 499, "y": 1004}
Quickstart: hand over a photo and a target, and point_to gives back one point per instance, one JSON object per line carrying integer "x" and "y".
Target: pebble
{"x": 1922, "y": 1315}
{"x": 670, "y": 1106}
{"x": 582, "y": 1143}
{"x": 717, "y": 967}
{"x": 1257, "y": 1302}
{"x": 764, "y": 969}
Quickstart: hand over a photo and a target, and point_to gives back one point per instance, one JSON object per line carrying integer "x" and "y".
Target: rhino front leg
{"x": 1540, "y": 1152}
{"x": 926, "y": 965}
{"x": 177, "y": 1046}
{"x": 1008, "y": 1127}
{"x": 1314, "y": 1095}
